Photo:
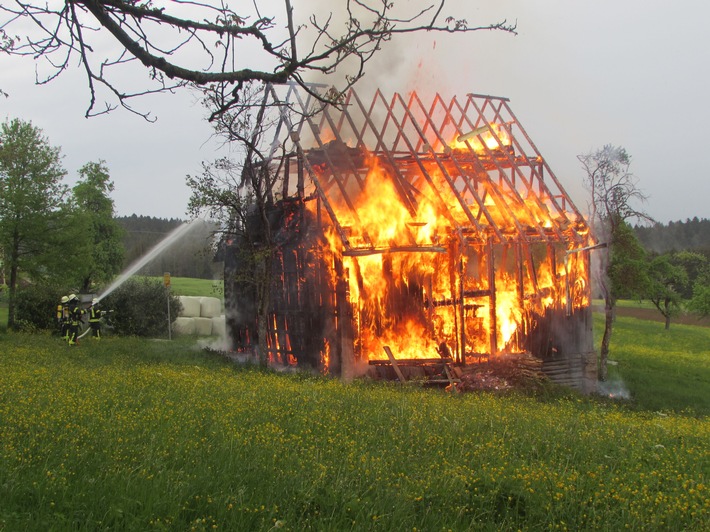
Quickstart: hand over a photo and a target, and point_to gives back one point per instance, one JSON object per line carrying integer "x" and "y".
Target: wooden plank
{"x": 408, "y": 362}
{"x": 448, "y": 374}
{"x": 393, "y": 361}
{"x": 456, "y": 372}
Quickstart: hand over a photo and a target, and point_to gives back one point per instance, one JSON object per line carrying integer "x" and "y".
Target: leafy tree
{"x": 226, "y": 191}
{"x": 668, "y": 280}
{"x": 700, "y": 301}
{"x": 628, "y": 265}
{"x": 614, "y": 191}
{"x": 207, "y": 44}
{"x": 91, "y": 195}
{"x": 38, "y": 232}
{"x": 695, "y": 265}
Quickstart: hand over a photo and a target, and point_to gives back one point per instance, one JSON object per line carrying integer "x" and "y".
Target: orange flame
{"x": 415, "y": 300}
{"x": 488, "y": 135}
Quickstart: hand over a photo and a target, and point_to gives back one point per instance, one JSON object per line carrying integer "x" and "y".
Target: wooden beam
{"x": 393, "y": 361}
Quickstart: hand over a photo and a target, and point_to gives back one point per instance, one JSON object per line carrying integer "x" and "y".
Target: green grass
{"x": 626, "y": 303}
{"x": 185, "y": 286}
{"x": 662, "y": 369}
{"x": 143, "y": 435}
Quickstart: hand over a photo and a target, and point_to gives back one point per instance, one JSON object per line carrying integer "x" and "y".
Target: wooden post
{"x": 461, "y": 353}
{"x": 493, "y": 336}
{"x": 453, "y": 253}
{"x": 166, "y": 282}
{"x": 345, "y": 357}
{"x": 519, "y": 273}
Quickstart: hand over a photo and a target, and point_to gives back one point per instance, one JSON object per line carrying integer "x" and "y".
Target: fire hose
{"x": 88, "y": 329}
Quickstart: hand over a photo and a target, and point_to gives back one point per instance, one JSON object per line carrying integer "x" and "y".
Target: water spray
{"x": 156, "y": 250}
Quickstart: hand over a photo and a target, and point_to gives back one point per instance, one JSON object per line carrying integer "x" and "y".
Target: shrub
{"x": 140, "y": 307}
{"x": 36, "y": 307}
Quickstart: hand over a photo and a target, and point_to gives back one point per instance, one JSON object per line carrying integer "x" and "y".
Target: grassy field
{"x": 185, "y": 286}
{"x": 661, "y": 370}
{"x": 145, "y": 435}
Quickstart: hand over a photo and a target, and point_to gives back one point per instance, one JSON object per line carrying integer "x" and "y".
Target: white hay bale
{"x": 190, "y": 306}
{"x": 203, "y": 326}
{"x": 184, "y": 326}
{"x": 219, "y": 326}
{"x": 210, "y": 307}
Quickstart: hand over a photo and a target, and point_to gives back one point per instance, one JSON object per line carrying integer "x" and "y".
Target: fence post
{"x": 166, "y": 282}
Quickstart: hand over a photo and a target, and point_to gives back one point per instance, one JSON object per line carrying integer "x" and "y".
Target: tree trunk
{"x": 606, "y": 339}
{"x": 12, "y": 287}
{"x": 12, "y": 291}
{"x": 262, "y": 350}
{"x": 667, "y": 313}
{"x": 86, "y": 286}
{"x": 263, "y": 305}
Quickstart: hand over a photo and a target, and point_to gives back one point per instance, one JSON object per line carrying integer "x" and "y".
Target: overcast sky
{"x": 579, "y": 75}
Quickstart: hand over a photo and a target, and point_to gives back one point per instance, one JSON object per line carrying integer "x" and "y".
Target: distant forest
{"x": 191, "y": 256}
{"x": 691, "y": 235}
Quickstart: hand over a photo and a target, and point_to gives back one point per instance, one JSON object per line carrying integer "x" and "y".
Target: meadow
{"x": 660, "y": 370}
{"x": 130, "y": 434}
{"x": 187, "y": 286}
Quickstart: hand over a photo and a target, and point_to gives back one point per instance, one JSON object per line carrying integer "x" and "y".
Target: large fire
{"x": 406, "y": 232}
{"x": 418, "y": 284}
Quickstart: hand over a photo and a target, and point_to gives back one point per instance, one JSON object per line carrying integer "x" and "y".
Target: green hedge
{"x": 140, "y": 308}
{"x": 36, "y": 307}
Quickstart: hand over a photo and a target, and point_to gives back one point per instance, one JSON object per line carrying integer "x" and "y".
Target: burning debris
{"x": 436, "y": 231}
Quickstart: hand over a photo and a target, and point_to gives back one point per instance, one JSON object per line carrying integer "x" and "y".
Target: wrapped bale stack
{"x": 201, "y": 316}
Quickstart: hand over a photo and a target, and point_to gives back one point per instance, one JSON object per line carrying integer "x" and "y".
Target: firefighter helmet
{"x": 73, "y": 297}
{"x": 65, "y": 299}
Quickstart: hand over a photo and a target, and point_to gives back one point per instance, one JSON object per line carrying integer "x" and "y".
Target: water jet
{"x": 154, "y": 252}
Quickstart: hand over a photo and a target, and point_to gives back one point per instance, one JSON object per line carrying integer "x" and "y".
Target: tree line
{"x": 693, "y": 234}
{"x": 674, "y": 267}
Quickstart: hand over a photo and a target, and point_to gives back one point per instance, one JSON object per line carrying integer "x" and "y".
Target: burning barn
{"x": 407, "y": 232}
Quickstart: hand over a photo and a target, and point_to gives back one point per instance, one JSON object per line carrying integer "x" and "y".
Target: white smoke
{"x": 614, "y": 388}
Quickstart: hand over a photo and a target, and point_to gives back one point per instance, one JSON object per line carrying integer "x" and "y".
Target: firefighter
{"x": 63, "y": 317}
{"x": 95, "y": 315}
{"x": 75, "y": 314}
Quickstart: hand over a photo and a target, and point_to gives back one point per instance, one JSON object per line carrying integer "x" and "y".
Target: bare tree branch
{"x": 613, "y": 187}
{"x": 206, "y": 43}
